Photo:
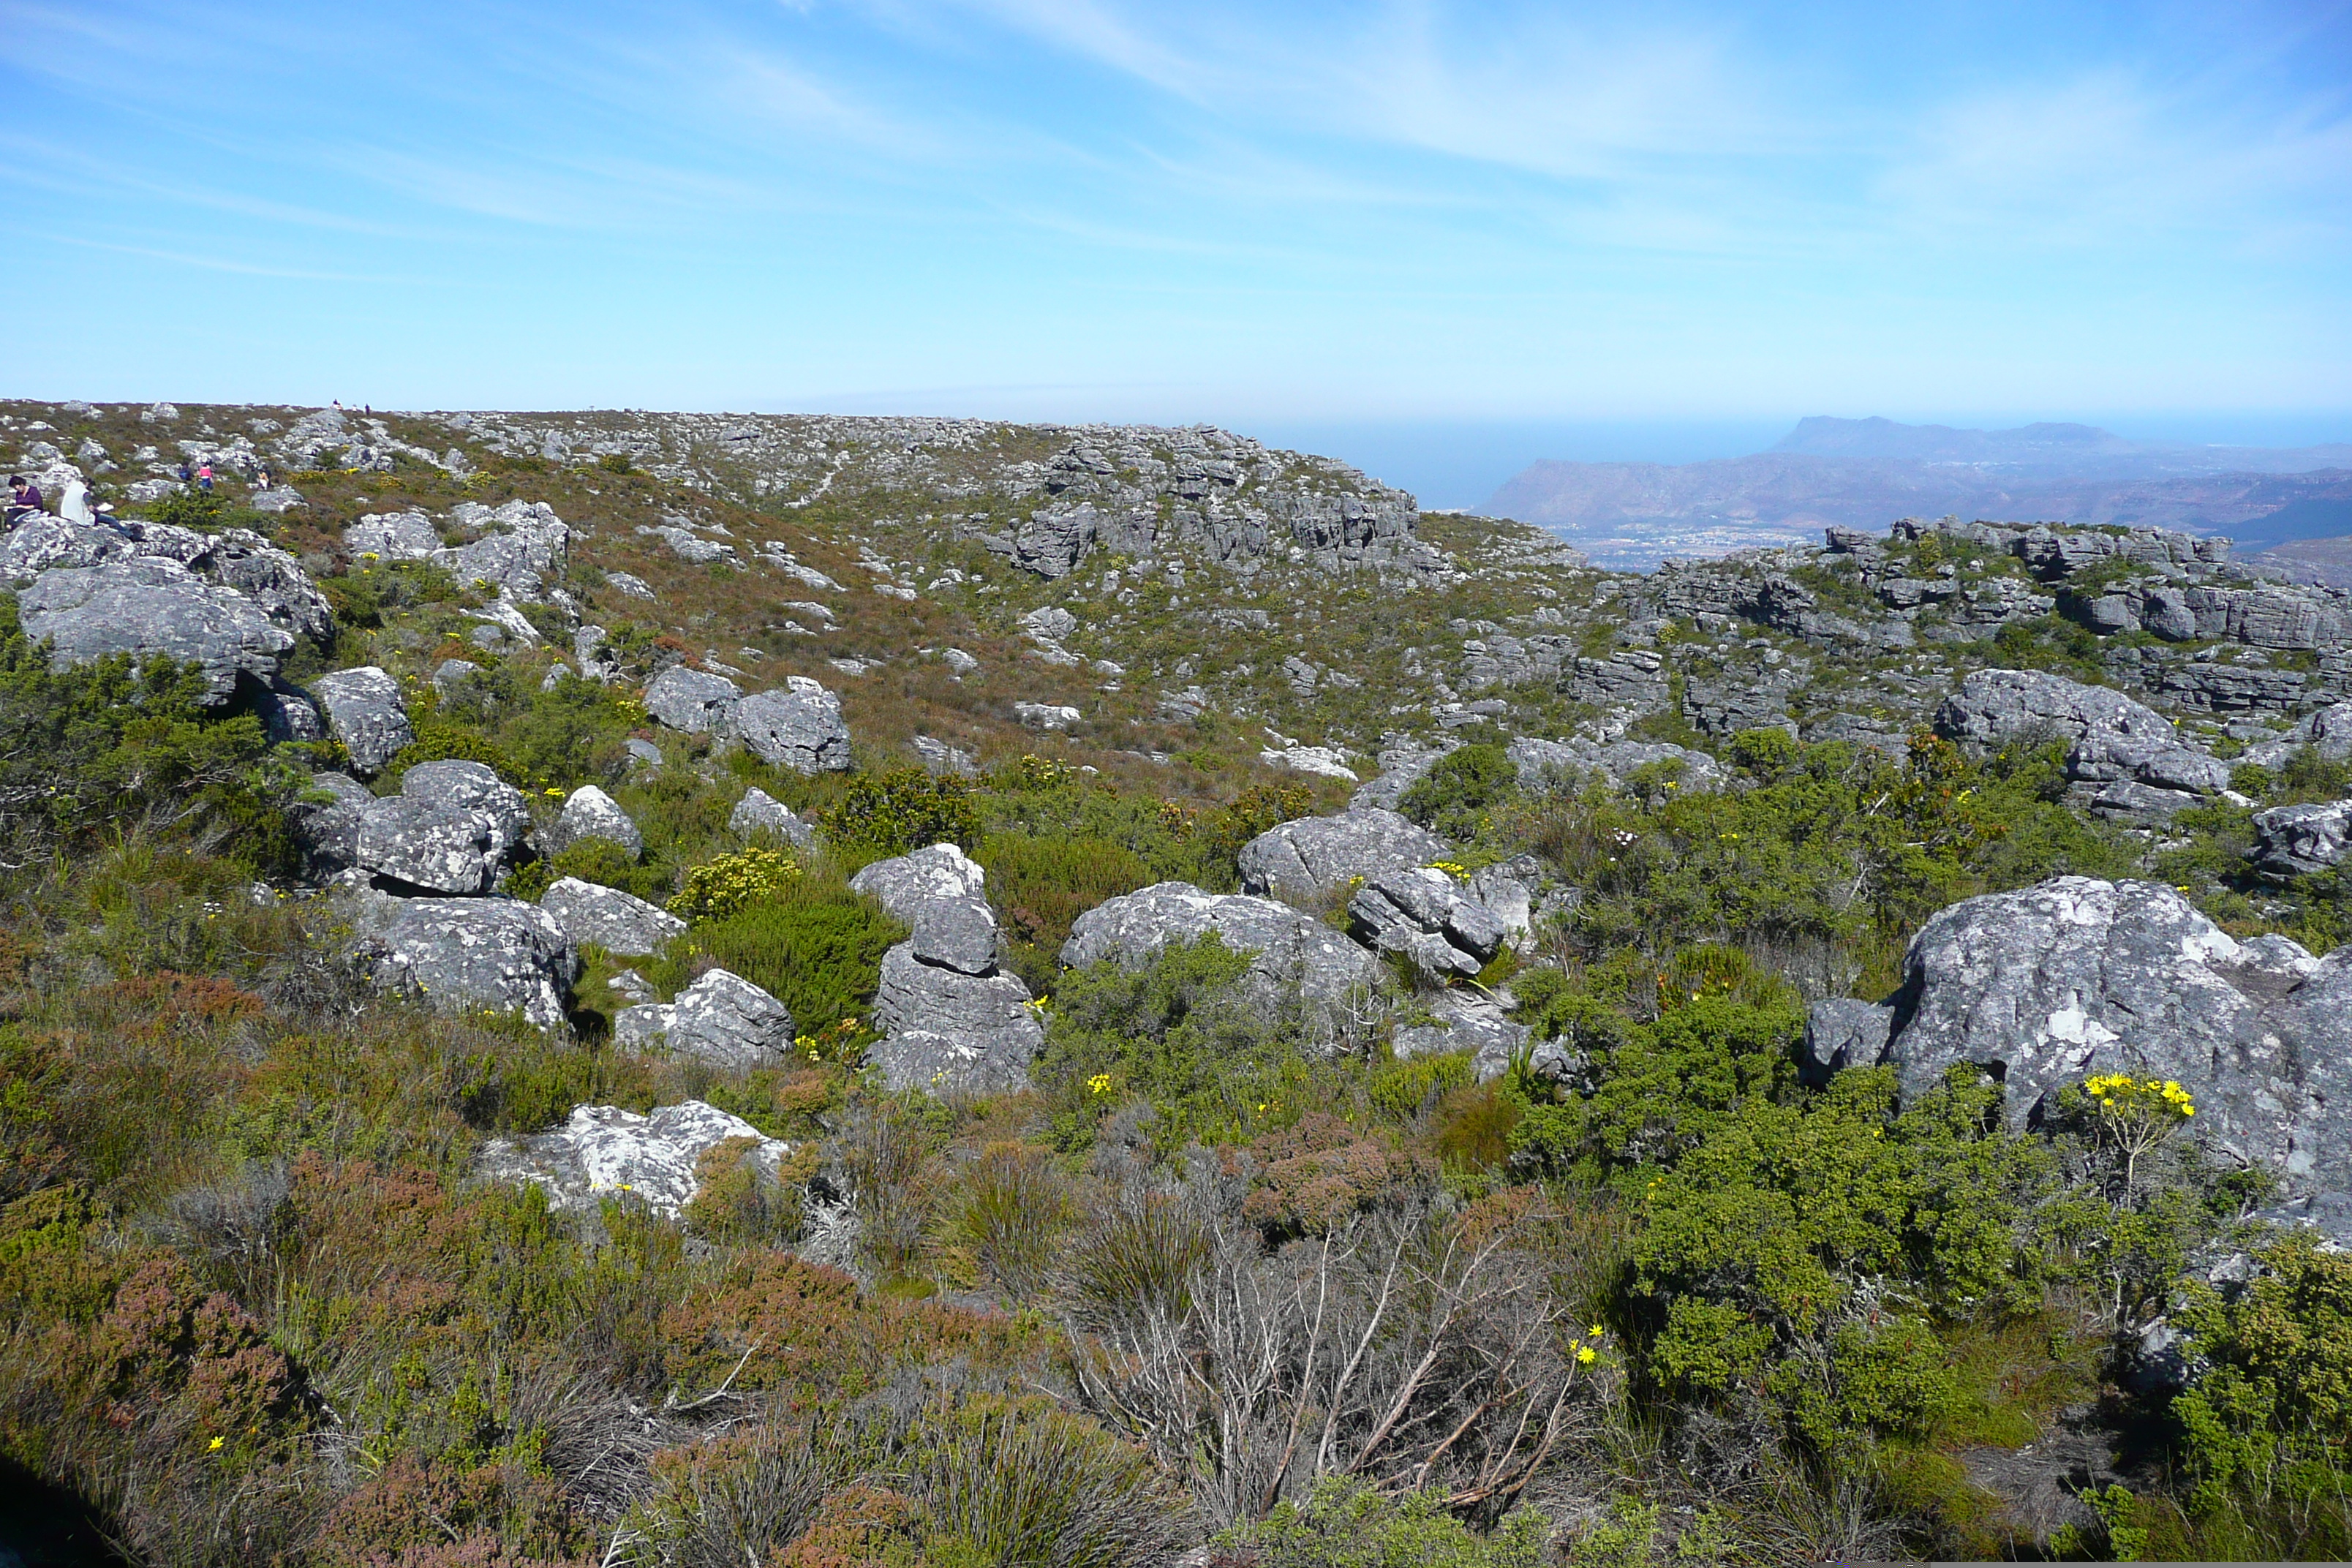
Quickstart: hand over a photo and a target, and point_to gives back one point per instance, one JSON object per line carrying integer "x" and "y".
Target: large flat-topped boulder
{"x": 152, "y": 608}
{"x": 1314, "y": 857}
{"x": 1616, "y": 760}
{"x": 234, "y": 558}
{"x": 799, "y": 727}
{"x": 449, "y": 830}
{"x": 469, "y": 954}
{"x": 2075, "y": 977}
{"x": 365, "y": 713}
{"x": 1293, "y": 953}
{"x": 2301, "y": 840}
{"x": 604, "y": 1152}
{"x": 2111, "y": 738}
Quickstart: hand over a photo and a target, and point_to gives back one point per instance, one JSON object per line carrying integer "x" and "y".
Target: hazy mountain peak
{"x": 1825, "y": 436}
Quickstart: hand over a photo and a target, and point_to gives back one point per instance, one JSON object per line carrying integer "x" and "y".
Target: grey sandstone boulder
{"x": 364, "y": 712}
{"x": 449, "y": 830}
{"x": 692, "y": 701}
{"x": 604, "y": 1152}
{"x": 800, "y": 728}
{"x": 1617, "y": 761}
{"x": 721, "y": 1019}
{"x": 152, "y": 608}
{"x": 909, "y": 885}
{"x": 1467, "y": 1020}
{"x": 286, "y": 711}
{"x": 1842, "y": 1032}
{"x": 1293, "y": 953}
{"x": 947, "y": 1029}
{"x": 760, "y": 812}
{"x": 2299, "y": 840}
{"x": 2054, "y": 984}
{"x": 328, "y": 830}
{"x": 465, "y": 954}
{"x": 616, "y": 922}
{"x": 1316, "y": 856}
{"x": 2110, "y": 737}
{"x": 1423, "y": 914}
{"x": 392, "y": 536}
{"x": 589, "y": 813}
{"x": 236, "y": 559}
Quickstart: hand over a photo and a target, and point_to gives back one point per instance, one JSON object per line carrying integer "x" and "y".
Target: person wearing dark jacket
{"x": 24, "y": 497}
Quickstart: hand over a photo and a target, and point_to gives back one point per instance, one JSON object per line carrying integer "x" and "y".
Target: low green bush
{"x": 818, "y": 950}
{"x": 1350, "y": 1523}
{"x": 902, "y": 810}
{"x": 1457, "y": 796}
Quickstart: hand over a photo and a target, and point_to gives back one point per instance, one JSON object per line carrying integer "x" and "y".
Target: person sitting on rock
{"x": 24, "y": 497}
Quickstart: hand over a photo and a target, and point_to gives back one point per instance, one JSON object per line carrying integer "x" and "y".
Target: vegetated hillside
{"x": 672, "y": 989}
{"x": 1862, "y": 472}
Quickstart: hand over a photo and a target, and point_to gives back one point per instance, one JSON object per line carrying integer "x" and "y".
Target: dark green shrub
{"x": 362, "y": 598}
{"x": 818, "y": 952}
{"x": 1456, "y": 798}
{"x": 901, "y": 810}
{"x": 190, "y": 506}
{"x": 597, "y": 861}
{"x": 1251, "y": 812}
{"x": 1039, "y": 885}
{"x": 438, "y": 741}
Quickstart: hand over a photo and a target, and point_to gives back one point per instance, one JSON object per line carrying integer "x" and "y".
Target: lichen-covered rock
{"x": 1316, "y": 856}
{"x": 465, "y": 954}
{"x": 721, "y": 1019}
{"x": 906, "y": 885}
{"x": 152, "y": 608}
{"x": 589, "y": 813}
{"x": 692, "y": 701}
{"x": 1468, "y": 1021}
{"x": 2110, "y": 737}
{"x": 616, "y": 922}
{"x": 238, "y": 559}
{"x": 760, "y": 812}
{"x": 1422, "y": 914}
{"x": 364, "y": 712}
{"x": 1294, "y": 953}
{"x": 449, "y": 830}
{"x": 947, "y": 1029}
{"x": 521, "y": 553}
{"x": 1617, "y": 761}
{"x": 287, "y": 712}
{"x": 2299, "y": 840}
{"x": 604, "y": 1152}
{"x": 2055, "y": 983}
{"x": 800, "y": 728}
{"x": 392, "y": 536}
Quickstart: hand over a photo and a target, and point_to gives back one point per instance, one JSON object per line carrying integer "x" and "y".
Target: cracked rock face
{"x": 616, "y": 922}
{"x": 1316, "y": 856}
{"x": 945, "y": 1028}
{"x": 2299, "y": 840}
{"x": 151, "y": 607}
{"x": 799, "y": 729}
{"x": 605, "y": 1152}
{"x": 721, "y": 1019}
{"x": 692, "y": 701}
{"x": 329, "y": 830}
{"x": 1292, "y": 951}
{"x": 589, "y": 813}
{"x": 760, "y": 812}
{"x": 2054, "y": 984}
{"x": 237, "y": 558}
{"x": 461, "y": 954}
{"x": 950, "y": 1019}
{"x": 2112, "y": 738}
{"x": 364, "y": 712}
{"x": 449, "y": 830}
{"x": 1424, "y": 914}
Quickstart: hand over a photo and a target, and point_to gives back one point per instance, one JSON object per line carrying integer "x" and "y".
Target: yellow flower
{"x": 1597, "y": 1331}
{"x": 214, "y": 1445}
{"x": 1585, "y": 1354}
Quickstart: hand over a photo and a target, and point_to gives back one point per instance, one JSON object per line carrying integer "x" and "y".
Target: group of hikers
{"x": 74, "y": 504}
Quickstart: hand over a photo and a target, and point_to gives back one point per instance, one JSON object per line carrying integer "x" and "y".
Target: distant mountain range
{"x": 1865, "y": 473}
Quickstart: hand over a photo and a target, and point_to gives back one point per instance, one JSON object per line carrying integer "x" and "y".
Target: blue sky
{"x": 1281, "y": 217}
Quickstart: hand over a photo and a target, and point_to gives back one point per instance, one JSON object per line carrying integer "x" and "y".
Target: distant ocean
{"x": 1459, "y": 464}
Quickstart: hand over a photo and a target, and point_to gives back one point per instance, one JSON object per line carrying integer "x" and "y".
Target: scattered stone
{"x": 945, "y": 1029}
{"x": 452, "y": 672}
{"x": 691, "y": 701}
{"x": 1467, "y": 1020}
{"x": 364, "y": 712}
{"x": 721, "y": 1019}
{"x": 2112, "y": 738}
{"x": 1690, "y": 770}
{"x": 644, "y": 751}
{"x": 1323, "y": 762}
{"x": 463, "y": 955}
{"x": 328, "y": 831}
{"x": 287, "y": 712}
{"x": 393, "y": 536}
{"x": 943, "y": 761}
{"x": 604, "y": 1152}
{"x": 960, "y": 662}
{"x": 589, "y": 813}
{"x": 630, "y": 584}
{"x": 800, "y": 728}
{"x": 940, "y": 894}
{"x": 2300, "y": 840}
{"x": 615, "y": 921}
{"x": 1839, "y": 1033}
{"x": 760, "y": 812}
{"x": 1046, "y": 715}
{"x": 1316, "y": 857}
{"x": 448, "y": 831}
